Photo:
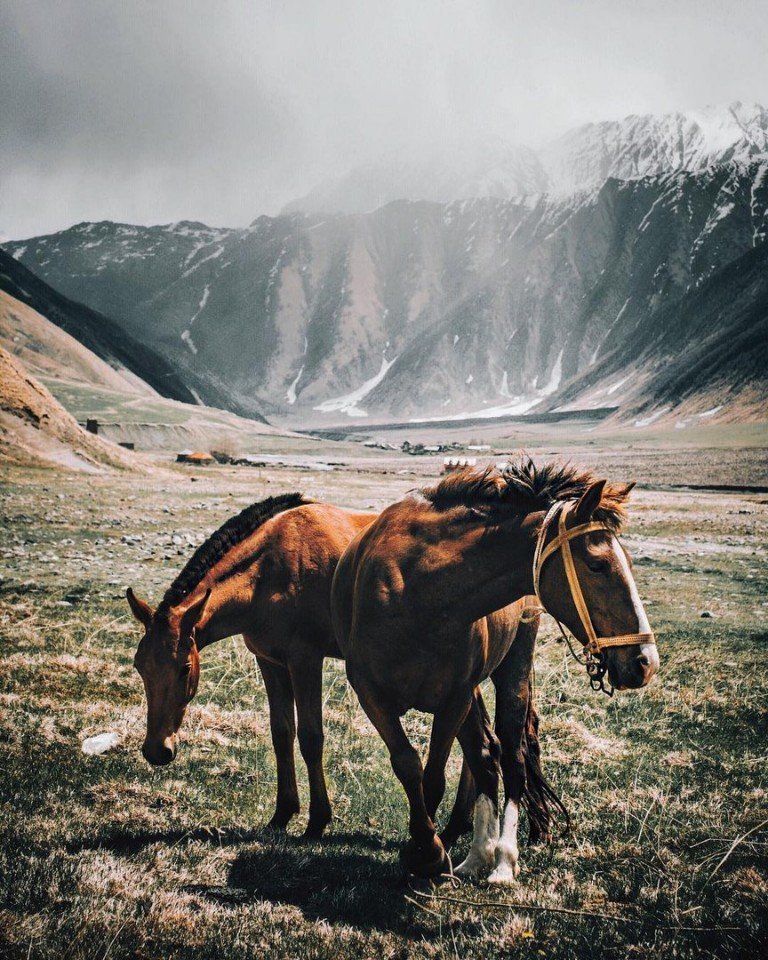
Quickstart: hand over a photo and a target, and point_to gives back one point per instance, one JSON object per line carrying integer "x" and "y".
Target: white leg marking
{"x": 506, "y": 849}
{"x": 484, "y": 839}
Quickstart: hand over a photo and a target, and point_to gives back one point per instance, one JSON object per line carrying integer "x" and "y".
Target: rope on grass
{"x": 568, "y": 911}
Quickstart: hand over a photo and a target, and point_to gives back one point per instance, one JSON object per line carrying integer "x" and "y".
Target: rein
{"x": 593, "y": 659}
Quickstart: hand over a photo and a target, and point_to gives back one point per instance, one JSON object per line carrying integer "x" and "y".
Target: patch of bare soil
{"x": 36, "y": 429}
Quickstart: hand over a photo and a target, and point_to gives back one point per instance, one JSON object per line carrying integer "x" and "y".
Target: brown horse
{"x": 412, "y": 604}
{"x": 266, "y": 574}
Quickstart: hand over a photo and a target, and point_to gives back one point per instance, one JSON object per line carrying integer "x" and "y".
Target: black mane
{"x": 524, "y": 486}
{"x": 234, "y": 531}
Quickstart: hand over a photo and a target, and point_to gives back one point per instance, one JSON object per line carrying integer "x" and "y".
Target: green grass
{"x": 104, "y": 857}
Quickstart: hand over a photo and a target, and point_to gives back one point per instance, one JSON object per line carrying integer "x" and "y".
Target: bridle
{"x": 593, "y": 659}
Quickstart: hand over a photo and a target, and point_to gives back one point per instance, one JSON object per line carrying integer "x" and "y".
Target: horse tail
{"x": 539, "y": 798}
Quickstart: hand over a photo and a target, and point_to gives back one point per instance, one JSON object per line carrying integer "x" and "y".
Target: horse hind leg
{"x": 283, "y": 727}
{"x": 482, "y": 752}
{"x": 460, "y": 821}
{"x": 307, "y": 680}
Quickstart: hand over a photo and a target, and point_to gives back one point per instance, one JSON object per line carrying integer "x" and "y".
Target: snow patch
{"x": 647, "y": 421}
{"x": 349, "y": 402}
{"x": 291, "y": 394}
{"x": 554, "y": 378}
{"x": 187, "y": 338}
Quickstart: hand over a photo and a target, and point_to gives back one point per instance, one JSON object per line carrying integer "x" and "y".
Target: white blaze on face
{"x": 643, "y": 626}
{"x": 485, "y": 836}
{"x": 507, "y": 853}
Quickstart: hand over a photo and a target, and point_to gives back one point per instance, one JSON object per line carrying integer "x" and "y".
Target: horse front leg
{"x": 482, "y": 752}
{"x": 307, "y": 680}
{"x": 423, "y": 855}
{"x": 282, "y": 724}
{"x": 445, "y": 727}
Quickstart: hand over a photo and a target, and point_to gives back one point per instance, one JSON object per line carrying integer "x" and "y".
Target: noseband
{"x": 594, "y": 660}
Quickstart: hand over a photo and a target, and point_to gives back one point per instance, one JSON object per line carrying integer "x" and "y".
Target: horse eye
{"x": 186, "y": 669}
{"x": 598, "y": 566}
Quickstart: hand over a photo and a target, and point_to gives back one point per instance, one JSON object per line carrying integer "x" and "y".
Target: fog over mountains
{"x": 622, "y": 265}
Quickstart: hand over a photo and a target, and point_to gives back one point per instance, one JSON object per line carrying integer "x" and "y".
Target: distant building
{"x": 196, "y": 457}
{"x": 451, "y": 464}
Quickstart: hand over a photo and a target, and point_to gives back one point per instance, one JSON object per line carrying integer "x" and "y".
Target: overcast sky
{"x": 150, "y": 111}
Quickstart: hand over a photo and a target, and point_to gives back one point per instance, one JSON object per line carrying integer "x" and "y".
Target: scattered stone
{"x": 707, "y": 614}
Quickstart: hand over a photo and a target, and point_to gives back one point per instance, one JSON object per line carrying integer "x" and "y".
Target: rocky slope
{"x": 35, "y": 428}
{"x": 108, "y": 340}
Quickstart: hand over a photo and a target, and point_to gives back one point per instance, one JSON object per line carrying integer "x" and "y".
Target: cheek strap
{"x": 561, "y": 542}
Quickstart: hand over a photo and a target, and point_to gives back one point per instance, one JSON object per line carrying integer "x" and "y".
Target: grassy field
{"x": 103, "y": 857}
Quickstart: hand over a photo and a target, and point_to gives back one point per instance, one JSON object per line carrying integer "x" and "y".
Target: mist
{"x": 154, "y": 112}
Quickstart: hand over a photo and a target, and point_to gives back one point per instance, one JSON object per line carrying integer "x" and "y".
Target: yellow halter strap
{"x": 594, "y": 644}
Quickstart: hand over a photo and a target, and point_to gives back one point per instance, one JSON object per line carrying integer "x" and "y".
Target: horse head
{"x": 168, "y": 662}
{"x": 584, "y": 579}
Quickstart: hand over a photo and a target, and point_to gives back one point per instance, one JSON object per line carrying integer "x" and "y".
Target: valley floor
{"x": 104, "y": 857}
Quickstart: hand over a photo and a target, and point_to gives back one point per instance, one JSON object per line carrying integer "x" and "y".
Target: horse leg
{"x": 481, "y": 749}
{"x": 512, "y": 679}
{"x": 283, "y": 726}
{"x": 307, "y": 680}
{"x": 445, "y": 727}
{"x": 423, "y": 855}
{"x": 460, "y": 821}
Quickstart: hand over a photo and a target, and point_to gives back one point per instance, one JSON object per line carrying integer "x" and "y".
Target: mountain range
{"x": 622, "y": 265}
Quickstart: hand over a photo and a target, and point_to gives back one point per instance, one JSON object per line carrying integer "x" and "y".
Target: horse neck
{"x": 485, "y": 568}
{"x": 223, "y": 615}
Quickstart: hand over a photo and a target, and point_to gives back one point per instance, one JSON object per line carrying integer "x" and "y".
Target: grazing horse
{"x": 420, "y": 609}
{"x": 266, "y": 574}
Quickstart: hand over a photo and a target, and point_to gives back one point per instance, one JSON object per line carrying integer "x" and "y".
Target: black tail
{"x": 539, "y": 797}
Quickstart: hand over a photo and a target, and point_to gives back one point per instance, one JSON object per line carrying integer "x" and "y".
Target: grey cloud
{"x": 153, "y": 111}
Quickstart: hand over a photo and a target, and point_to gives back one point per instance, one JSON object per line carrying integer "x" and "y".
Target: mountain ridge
{"x": 471, "y": 307}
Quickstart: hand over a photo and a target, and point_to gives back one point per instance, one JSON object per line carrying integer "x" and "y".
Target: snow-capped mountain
{"x": 582, "y": 159}
{"x": 647, "y": 145}
{"x": 443, "y": 309}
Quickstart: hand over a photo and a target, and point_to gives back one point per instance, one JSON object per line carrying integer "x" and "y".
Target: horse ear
{"x": 627, "y": 489}
{"x": 193, "y": 613}
{"x": 139, "y": 608}
{"x": 590, "y": 501}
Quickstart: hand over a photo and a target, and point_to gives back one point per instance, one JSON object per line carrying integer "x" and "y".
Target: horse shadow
{"x": 330, "y": 881}
{"x": 352, "y": 877}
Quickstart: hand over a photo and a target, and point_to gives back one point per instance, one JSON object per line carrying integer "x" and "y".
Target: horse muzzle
{"x": 631, "y": 668}
{"x": 159, "y": 754}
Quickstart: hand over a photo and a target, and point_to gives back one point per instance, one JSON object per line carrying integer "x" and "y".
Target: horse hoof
{"x": 504, "y": 874}
{"x": 425, "y": 862}
{"x": 314, "y": 831}
{"x": 474, "y": 866}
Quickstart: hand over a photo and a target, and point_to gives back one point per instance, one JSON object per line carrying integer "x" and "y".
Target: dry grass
{"x": 102, "y": 857}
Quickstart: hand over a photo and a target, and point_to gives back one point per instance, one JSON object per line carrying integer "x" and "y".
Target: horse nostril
{"x": 158, "y": 756}
{"x": 643, "y": 660}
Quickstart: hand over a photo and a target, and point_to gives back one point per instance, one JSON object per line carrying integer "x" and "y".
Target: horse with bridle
{"x": 266, "y": 574}
{"x": 420, "y": 603}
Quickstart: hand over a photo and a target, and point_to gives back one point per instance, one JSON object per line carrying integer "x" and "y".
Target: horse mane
{"x": 234, "y": 531}
{"x": 523, "y": 486}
